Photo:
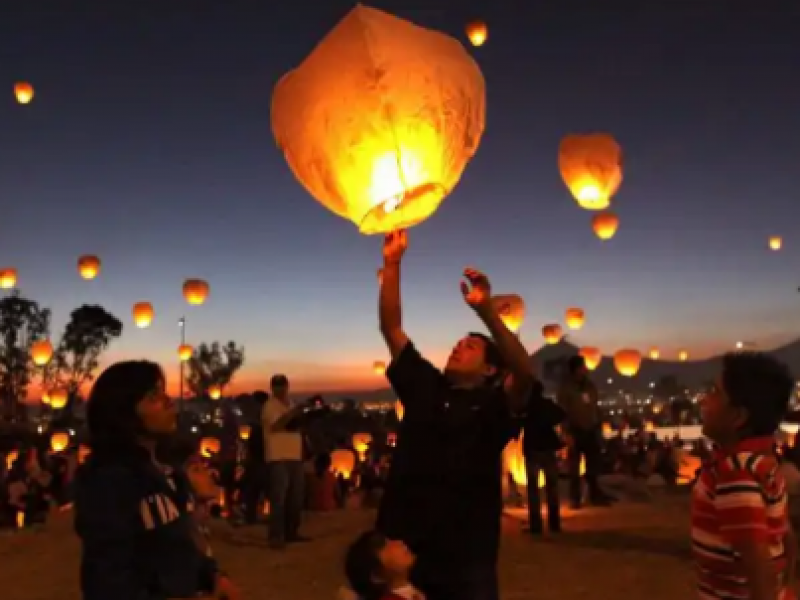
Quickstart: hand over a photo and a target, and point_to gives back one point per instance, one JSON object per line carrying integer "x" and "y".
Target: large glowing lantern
{"x": 8, "y": 278}
{"x": 552, "y": 333}
{"x": 59, "y": 441}
{"x": 143, "y": 314}
{"x": 683, "y": 356}
{"x": 591, "y": 166}
{"x": 244, "y": 432}
{"x": 58, "y": 398}
{"x": 361, "y": 442}
{"x": 41, "y": 352}
{"x": 627, "y": 361}
{"x": 185, "y": 352}
{"x": 605, "y": 225}
{"x": 379, "y": 367}
{"x": 591, "y": 357}
{"x": 654, "y": 353}
{"x": 574, "y": 318}
{"x": 379, "y": 122}
{"x": 195, "y": 291}
{"x": 775, "y": 242}
{"x": 215, "y": 392}
{"x": 209, "y": 446}
{"x": 88, "y": 266}
{"x": 477, "y": 32}
{"x": 343, "y": 462}
{"x": 23, "y": 92}
{"x": 511, "y": 309}
{"x": 399, "y": 410}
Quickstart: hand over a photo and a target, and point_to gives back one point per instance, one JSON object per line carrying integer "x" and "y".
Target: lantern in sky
{"x": 379, "y": 367}
{"x": 343, "y": 462}
{"x": 8, "y": 278}
{"x": 379, "y": 122}
{"x": 143, "y": 314}
{"x": 41, "y": 352}
{"x": 574, "y": 318}
{"x": 185, "y": 352}
{"x": 775, "y": 242}
{"x": 477, "y": 32}
{"x": 683, "y": 356}
{"x": 89, "y": 266}
{"x": 244, "y": 432}
{"x": 552, "y": 333}
{"x": 591, "y": 357}
{"x": 58, "y": 398}
{"x": 627, "y": 362}
{"x": 195, "y": 291}
{"x": 605, "y": 225}
{"x": 399, "y": 410}
{"x": 361, "y": 442}
{"x": 654, "y": 353}
{"x": 209, "y": 446}
{"x": 23, "y": 92}
{"x": 215, "y": 392}
{"x": 511, "y": 309}
{"x": 591, "y": 166}
{"x": 59, "y": 441}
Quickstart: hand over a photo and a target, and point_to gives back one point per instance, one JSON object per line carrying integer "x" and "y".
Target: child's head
{"x": 375, "y": 565}
{"x": 749, "y": 398}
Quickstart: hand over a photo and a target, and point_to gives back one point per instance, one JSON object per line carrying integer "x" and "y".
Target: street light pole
{"x": 182, "y": 325}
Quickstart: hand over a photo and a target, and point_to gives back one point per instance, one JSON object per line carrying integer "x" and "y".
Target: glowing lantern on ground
{"x": 380, "y": 120}
{"x": 143, "y": 314}
{"x": 552, "y": 333}
{"x": 361, "y": 442}
{"x": 514, "y": 463}
{"x": 83, "y": 453}
{"x": 59, "y": 441}
{"x": 343, "y": 462}
{"x": 654, "y": 354}
{"x": 511, "y": 309}
{"x": 8, "y": 278}
{"x": 591, "y": 357}
{"x": 605, "y": 225}
{"x": 399, "y": 410}
{"x": 379, "y": 367}
{"x": 683, "y": 355}
{"x": 209, "y": 446}
{"x": 775, "y": 242}
{"x": 608, "y": 430}
{"x": 215, "y": 392}
{"x": 185, "y": 352}
{"x": 12, "y": 455}
{"x": 58, "y": 398}
{"x": 89, "y": 266}
{"x": 649, "y": 426}
{"x": 195, "y": 291}
{"x": 24, "y": 92}
{"x": 627, "y": 362}
{"x": 41, "y": 352}
{"x": 477, "y": 32}
{"x": 244, "y": 432}
{"x": 591, "y": 166}
{"x": 574, "y": 318}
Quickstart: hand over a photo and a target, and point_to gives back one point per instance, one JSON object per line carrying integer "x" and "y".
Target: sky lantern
{"x": 399, "y": 410}
{"x": 343, "y": 462}
{"x": 627, "y": 361}
{"x": 24, "y": 92}
{"x": 511, "y": 309}
{"x": 591, "y": 357}
{"x": 477, "y": 32}
{"x": 244, "y": 432}
{"x": 683, "y": 356}
{"x": 41, "y": 352}
{"x": 591, "y": 166}
{"x": 195, "y": 291}
{"x": 654, "y": 353}
{"x": 8, "y": 278}
{"x": 574, "y": 318}
{"x": 605, "y": 225}
{"x": 58, "y": 398}
{"x": 215, "y": 392}
{"x": 361, "y": 442}
{"x": 379, "y": 367}
{"x": 209, "y": 446}
{"x": 775, "y": 242}
{"x": 143, "y": 314}
{"x": 380, "y": 141}
{"x": 59, "y": 441}
{"x": 185, "y": 352}
{"x": 89, "y": 266}
{"x": 552, "y": 333}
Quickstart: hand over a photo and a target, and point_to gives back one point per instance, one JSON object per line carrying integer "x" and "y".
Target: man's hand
{"x": 394, "y": 246}
{"x": 477, "y": 290}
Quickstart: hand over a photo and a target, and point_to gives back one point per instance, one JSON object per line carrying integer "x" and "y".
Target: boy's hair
{"x": 362, "y": 565}
{"x": 491, "y": 356}
{"x": 760, "y": 384}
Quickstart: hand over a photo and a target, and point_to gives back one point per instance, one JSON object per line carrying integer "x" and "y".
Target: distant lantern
{"x": 591, "y": 357}
{"x": 12, "y": 455}
{"x": 83, "y": 453}
{"x": 477, "y": 32}
{"x": 215, "y": 392}
{"x": 23, "y": 92}
{"x": 185, "y": 352}
{"x": 58, "y": 398}
{"x": 361, "y": 442}
{"x": 244, "y": 432}
{"x": 46, "y": 398}
{"x": 41, "y": 352}
{"x": 379, "y": 367}
{"x": 195, "y": 291}
{"x": 552, "y": 333}
{"x": 574, "y": 318}
{"x": 775, "y": 242}
{"x": 591, "y": 166}
{"x": 608, "y": 430}
{"x": 8, "y": 278}
{"x": 683, "y": 356}
{"x": 343, "y": 462}
{"x": 379, "y": 122}
{"x": 649, "y": 426}
{"x": 89, "y": 266}
{"x": 654, "y": 354}
{"x": 209, "y": 447}
{"x": 511, "y": 309}
{"x": 605, "y": 225}
{"x": 143, "y": 314}
{"x": 627, "y": 362}
{"x": 59, "y": 441}
{"x": 399, "y": 410}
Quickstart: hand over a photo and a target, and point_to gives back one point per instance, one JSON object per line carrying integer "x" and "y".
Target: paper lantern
{"x": 89, "y": 266}
{"x": 380, "y": 120}
{"x": 143, "y": 314}
{"x": 654, "y": 354}
{"x": 627, "y": 362}
{"x": 574, "y": 318}
{"x": 12, "y": 455}
{"x": 59, "y": 441}
{"x": 399, "y": 410}
{"x": 46, "y": 398}
{"x": 195, "y": 291}
{"x": 775, "y": 242}
{"x": 185, "y": 352}
{"x": 209, "y": 446}
{"x": 215, "y": 392}
{"x": 649, "y": 427}
{"x": 477, "y": 32}
{"x": 83, "y": 453}
{"x": 511, "y": 309}
{"x": 591, "y": 357}
{"x": 41, "y": 352}
{"x": 683, "y": 356}
{"x": 8, "y": 278}
{"x": 379, "y": 367}
{"x": 58, "y": 398}
{"x": 343, "y": 462}
{"x": 361, "y": 442}
{"x": 591, "y": 166}
{"x": 552, "y": 333}
{"x": 244, "y": 432}
{"x": 608, "y": 430}
{"x": 605, "y": 225}
{"x": 23, "y": 92}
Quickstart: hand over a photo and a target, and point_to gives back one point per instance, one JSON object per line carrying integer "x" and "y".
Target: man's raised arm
{"x": 390, "y": 313}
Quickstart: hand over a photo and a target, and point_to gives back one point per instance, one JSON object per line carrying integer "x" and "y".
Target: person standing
{"x": 254, "y": 484}
{"x": 443, "y": 495}
{"x": 283, "y": 453}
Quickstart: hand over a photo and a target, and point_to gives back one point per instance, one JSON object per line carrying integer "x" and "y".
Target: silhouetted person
{"x": 255, "y": 484}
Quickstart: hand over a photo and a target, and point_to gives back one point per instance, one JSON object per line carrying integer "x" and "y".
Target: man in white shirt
{"x": 283, "y": 451}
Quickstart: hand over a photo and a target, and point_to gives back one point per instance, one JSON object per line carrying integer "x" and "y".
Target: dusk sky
{"x": 148, "y": 143}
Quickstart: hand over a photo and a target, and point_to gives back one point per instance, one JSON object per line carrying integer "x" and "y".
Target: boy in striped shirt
{"x": 743, "y": 544}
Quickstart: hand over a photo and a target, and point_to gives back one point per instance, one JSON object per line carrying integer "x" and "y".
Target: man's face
{"x": 721, "y": 420}
{"x": 280, "y": 390}
{"x": 468, "y": 359}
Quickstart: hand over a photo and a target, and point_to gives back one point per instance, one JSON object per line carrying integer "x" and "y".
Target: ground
{"x": 633, "y": 550}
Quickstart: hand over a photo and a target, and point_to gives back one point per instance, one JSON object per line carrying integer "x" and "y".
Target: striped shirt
{"x": 740, "y": 496}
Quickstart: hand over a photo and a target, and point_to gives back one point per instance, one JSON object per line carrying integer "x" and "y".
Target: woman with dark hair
{"x": 132, "y": 512}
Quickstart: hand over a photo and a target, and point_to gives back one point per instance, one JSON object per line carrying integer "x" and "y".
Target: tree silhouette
{"x": 22, "y": 322}
{"x": 213, "y": 365}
